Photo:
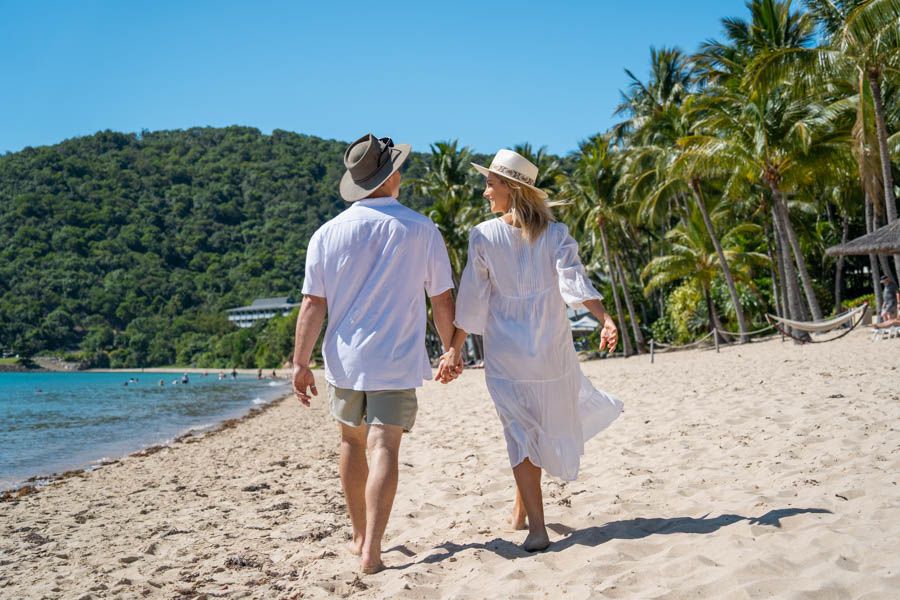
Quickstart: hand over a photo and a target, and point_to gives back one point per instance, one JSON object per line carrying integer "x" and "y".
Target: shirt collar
{"x": 383, "y": 201}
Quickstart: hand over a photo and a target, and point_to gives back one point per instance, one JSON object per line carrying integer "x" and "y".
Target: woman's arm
{"x": 609, "y": 334}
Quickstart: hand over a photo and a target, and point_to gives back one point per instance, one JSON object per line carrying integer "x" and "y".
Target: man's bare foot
{"x": 536, "y": 541}
{"x": 354, "y": 546}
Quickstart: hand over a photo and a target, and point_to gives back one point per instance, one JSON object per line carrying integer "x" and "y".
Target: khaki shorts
{"x": 381, "y": 407}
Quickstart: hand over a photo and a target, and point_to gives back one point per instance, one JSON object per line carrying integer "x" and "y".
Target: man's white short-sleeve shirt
{"x": 373, "y": 264}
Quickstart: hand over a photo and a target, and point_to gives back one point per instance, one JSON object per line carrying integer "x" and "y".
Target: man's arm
{"x": 444, "y": 312}
{"x": 309, "y": 324}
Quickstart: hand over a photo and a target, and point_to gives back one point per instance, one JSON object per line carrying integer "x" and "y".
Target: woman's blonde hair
{"x": 529, "y": 211}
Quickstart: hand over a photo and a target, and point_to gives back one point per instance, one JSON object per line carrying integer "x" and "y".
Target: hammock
{"x": 820, "y": 326}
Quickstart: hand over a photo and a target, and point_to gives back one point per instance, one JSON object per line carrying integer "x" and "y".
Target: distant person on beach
{"x": 523, "y": 268}
{"x": 891, "y": 298}
{"x": 367, "y": 270}
{"x": 234, "y": 373}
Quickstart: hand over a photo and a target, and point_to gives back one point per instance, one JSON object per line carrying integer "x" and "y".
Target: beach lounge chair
{"x": 885, "y": 333}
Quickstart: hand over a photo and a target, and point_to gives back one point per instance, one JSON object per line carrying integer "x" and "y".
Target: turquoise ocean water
{"x": 52, "y": 422}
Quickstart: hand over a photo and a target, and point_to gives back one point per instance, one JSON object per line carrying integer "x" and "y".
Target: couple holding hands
{"x": 366, "y": 270}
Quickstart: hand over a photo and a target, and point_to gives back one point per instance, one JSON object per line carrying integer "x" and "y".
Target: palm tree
{"x": 589, "y": 191}
{"x": 772, "y": 27}
{"x": 863, "y": 37}
{"x": 768, "y": 138}
{"x": 455, "y": 208}
{"x": 762, "y": 122}
{"x": 647, "y": 105}
{"x": 693, "y": 260}
{"x": 657, "y": 120}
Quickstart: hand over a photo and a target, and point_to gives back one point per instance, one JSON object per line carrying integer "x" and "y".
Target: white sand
{"x": 768, "y": 470}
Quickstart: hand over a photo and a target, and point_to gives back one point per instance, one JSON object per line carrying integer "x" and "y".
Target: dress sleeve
{"x": 574, "y": 284}
{"x": 474, "y": 289}
{"x": 314, "y": 276}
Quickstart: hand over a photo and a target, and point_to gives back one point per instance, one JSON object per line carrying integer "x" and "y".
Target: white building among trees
{"x": 261, "y": 309}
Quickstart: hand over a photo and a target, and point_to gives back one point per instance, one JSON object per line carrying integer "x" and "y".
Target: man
{"x": 367, "y": 269}
{"x": 891, "y": 299}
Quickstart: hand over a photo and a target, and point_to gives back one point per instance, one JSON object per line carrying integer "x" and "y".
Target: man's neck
{"x": 378, "y": 199}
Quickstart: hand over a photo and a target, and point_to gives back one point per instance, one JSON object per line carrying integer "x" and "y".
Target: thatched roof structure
{"x": 881, "y": 241}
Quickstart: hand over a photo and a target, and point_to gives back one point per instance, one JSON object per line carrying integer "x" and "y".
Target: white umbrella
{"x": 585, "y": 324}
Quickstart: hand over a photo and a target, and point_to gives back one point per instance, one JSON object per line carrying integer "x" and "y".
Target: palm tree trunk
{"x": 885, "y": 266}
{"x": 792, "y": 290}
{"x": 777, "y": 274}
{"x": 805, "y": 279}
{"x": 626, "y": 340}
{"x": 839, "y": 267}
{"x": 882, "y": 259}
{"x": 714, "y": 324}
{"x": 634, "y": 277}
{"x": 890, "y": 201}
{"x": 723, "y": 263}
{"x": 873, "y": 260}
{"x": 635, "y": 327}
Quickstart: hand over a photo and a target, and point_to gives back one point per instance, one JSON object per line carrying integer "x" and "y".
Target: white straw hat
{"x": 510, "y": 164}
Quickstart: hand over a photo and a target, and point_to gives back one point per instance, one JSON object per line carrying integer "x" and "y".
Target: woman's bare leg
{"x": 517, "y": 520}
{"x": 528, "y": 480}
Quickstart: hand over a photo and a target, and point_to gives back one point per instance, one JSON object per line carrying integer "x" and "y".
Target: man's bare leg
{"x": 354, "y": 473}
{"x": 528, "y": 480}
{"x": 384, "y": 450}
{"x": 517, "y": 520}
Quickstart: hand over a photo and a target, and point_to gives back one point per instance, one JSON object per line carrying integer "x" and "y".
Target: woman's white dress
{"x": 514, "y": 293}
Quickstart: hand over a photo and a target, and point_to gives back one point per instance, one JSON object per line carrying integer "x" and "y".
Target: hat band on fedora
{"x": 506, "y": 171}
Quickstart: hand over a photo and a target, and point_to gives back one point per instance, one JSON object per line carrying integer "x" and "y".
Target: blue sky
{"x": 490, "y": 74}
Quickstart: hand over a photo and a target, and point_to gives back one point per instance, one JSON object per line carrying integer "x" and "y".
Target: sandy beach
{"x": 767, "y": 470}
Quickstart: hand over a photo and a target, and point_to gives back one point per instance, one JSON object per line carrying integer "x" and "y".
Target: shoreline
{"x": 37, "y": 483}
{"x": 281, "y": 372}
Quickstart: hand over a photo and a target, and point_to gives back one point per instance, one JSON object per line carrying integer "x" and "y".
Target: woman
{"x": 523, "y": 268}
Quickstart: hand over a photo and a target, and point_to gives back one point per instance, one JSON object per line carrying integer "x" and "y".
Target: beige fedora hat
{"x": 370, "y": 161}
{"x": 513, "y": 165}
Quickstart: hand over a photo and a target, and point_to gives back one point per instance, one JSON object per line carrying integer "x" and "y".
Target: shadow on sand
{"x": 629, "y": 529}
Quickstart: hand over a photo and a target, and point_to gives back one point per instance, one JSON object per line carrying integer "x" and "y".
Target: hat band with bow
{"x": 383, "y": 158}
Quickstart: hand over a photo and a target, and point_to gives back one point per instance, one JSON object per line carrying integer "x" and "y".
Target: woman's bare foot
{"x": 371, "y": 569}
{"x": 536, "y": 541}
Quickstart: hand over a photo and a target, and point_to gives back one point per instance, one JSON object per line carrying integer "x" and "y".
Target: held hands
{"x": 303, "y": 383}
{"x": 609, "y": 336}
{"x": 450, "y": 366}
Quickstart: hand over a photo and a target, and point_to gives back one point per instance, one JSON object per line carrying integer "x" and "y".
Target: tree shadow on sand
{"x": 629, "y": 529}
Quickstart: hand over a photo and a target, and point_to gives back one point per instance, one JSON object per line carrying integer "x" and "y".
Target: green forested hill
{"x": 128, "y": 248}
